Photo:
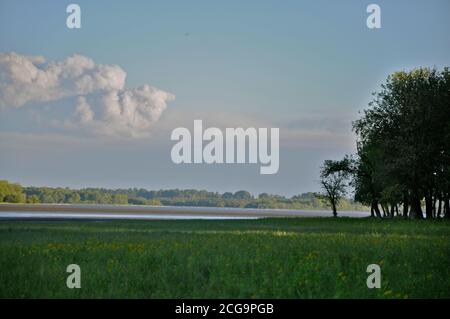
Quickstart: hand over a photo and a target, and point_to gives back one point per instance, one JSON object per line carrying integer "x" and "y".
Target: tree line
{"x": 14, "y": 193}
{"x": 402, "y": 163}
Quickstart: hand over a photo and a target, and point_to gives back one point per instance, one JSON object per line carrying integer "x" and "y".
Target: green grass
{"x": 279, "y": 258}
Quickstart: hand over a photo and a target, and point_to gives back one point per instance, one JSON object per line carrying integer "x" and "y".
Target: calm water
{"x": 82, "y": 215}
{"x": 61, "y": 211}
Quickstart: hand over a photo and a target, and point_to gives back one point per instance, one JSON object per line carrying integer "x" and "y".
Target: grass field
{"x": 279, "y": 258}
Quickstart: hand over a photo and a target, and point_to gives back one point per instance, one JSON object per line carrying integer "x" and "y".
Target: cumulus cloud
{"x": 30, "y": 78}
{"x": 83, "y": 111}
{"x": 117, "y": 111}
{"x": 126, "y": 113}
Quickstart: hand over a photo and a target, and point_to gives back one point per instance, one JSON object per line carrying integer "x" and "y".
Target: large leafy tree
{"x": 403, "y": 142}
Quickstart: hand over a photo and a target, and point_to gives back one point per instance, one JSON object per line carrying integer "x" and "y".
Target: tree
{"x": 15, "y": 198}
{"x": 11, "y": 193}
{"x": 120, "y": 199}
{"x": 334, "y": 180}
{"x": 227, "y": 195}
{"x": 365, "y": 180}
{"x": 404, "y": 143}
{"x": 74, "y": 198}
{"x": 242, "y": 195}
{"x": 33, "y": 199}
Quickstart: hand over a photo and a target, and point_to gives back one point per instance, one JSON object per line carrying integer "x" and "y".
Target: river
{"x": 100, "y": 212}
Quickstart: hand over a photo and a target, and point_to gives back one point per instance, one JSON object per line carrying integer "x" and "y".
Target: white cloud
{"x": 26, "y": 79}
{"x": 83, "y": 111}
{"x": 120, "y": 112}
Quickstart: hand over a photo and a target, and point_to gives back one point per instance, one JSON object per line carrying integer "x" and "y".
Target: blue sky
{"x": 304, "y": 66}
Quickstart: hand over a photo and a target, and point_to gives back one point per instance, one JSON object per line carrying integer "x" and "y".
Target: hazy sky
{"x": 306, "y": 67}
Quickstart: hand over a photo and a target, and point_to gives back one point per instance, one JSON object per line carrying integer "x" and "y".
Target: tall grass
{"x": 273, "y": 258}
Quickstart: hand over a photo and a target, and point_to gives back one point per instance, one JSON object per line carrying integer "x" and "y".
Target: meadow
{"x": 267, "y": 258}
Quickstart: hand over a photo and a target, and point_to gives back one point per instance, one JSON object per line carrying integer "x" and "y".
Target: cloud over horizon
{"x": 115, "y": 111}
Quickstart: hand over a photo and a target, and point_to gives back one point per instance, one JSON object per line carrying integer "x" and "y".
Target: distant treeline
{"x": 14, "y": 193}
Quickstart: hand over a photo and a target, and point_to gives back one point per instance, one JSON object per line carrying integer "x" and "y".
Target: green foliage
{"x": 334, "y": 180}
{"x": 11, "y": 193}
{"x": 33, "y": 199}
{"x": 120, "y": 199}
{"x": 403, "y": 148}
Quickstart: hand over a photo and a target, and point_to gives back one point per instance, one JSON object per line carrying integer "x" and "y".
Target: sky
{"x": 95, "y": 106}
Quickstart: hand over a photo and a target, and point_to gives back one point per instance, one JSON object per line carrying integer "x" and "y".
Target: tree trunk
{"x": 434, "y": 205}
{"x": 334, "y": 209}
{"x": 447, "y": 207}
{"x": 377, "y": 209}
{"x": 429, "y": 205}
{"x": 416, "y": 209}
{"x": 439, "y": 210}
{"x": 405, "y": 205}
{"x": 392, "y": 211}
{"x": 372, "y": 211}
{"x": 384, "y": 211}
